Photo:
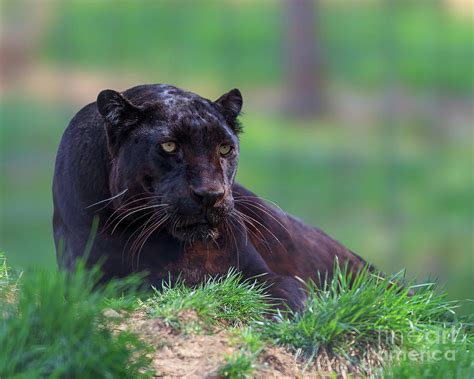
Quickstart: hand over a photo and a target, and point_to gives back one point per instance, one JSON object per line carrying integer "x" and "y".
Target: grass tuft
{"x": 238, "y": 366}
{"x": 242, "y": 363}
{"x": 124, "y": 302}
{"x": 228, "y": 299}
{"x": 349, "y": 314}
{"x": 4, "y": 279}
{"x": 55, "y": 328}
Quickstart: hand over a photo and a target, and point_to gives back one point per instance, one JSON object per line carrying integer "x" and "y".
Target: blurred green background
{"x": 381, "y": 157}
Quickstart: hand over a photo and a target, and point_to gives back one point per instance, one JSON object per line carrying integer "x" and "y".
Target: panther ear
{"x": 230, "y": 105}
{"x": 120, "y": 116}
{"x": 116, "y": 109}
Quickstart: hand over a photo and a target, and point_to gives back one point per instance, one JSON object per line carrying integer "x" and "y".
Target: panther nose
{"x": 207, "y": 196}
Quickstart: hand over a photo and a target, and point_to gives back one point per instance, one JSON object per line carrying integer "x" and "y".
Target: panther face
{"x": 174, "y": 158}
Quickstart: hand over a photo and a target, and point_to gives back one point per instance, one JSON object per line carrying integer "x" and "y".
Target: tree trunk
{"x": 304, "y": 95}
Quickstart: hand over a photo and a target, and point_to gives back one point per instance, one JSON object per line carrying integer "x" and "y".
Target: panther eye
{"x": 168, "y": 147}
{"x": 225, "y": 150}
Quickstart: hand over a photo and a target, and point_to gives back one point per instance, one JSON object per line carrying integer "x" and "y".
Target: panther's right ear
{"x": 116, "y": 109}
{"x": 120, "y": 116}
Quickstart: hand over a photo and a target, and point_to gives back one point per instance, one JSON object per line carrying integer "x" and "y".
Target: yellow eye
{"x": 225, "y": 149}
{"x": 169, "y": 147}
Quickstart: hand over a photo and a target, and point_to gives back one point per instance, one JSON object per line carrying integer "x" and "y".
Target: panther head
{"x": 174, "y": 157}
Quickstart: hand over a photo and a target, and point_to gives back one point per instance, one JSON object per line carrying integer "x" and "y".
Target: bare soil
{"x": 200, "y": 354}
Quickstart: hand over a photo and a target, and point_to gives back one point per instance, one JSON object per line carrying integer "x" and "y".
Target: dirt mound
{"x": 189, "y": 354}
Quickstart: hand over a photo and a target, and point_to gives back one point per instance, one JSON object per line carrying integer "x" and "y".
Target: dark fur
{"x": 210, "y": 223}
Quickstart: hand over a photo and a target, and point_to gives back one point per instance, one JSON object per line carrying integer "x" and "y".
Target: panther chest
{"x": 201, "y": 261}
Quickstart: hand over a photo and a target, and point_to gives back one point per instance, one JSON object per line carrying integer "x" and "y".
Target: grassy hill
{"x": 54, "y": 325}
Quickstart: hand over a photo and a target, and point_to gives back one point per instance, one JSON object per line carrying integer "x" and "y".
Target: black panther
{"x": 154, "y": 166}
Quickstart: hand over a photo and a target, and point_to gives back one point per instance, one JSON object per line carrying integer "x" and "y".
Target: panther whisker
{"x": 108, "y": 199}
{"x": 153, "y": 228}
{"x": 154, "y": 214}
{"x": 233, "y": 216}
{"x": 136, "y": 219}
{"x": 117, "y": 211}
{"x": 139, "y": 230}
{"x": 245, "y": 218}
{"x": 145, "y": 227}
{"x": 237, "y": 196}
{"x": 148, "y": 214}
{"x": 261, "y": 208}
{"x": 135, "y": 211}
{"x": 266, "y": 228}
{"x": 227, "y": 233}
{"x": 144, "y": 230}
{"x": 135, "y": 198}
{"x": 229, "y": 227}
{"x": 263, "y": 226}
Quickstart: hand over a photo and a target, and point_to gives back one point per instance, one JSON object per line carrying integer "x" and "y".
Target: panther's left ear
{"x": 230, "y": 105}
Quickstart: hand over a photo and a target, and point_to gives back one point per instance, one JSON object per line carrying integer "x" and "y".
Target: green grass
{"x": 54, "y": 328}
{"x": 348, "y": 315}
{"x": 346, "y": 318}
{"x": 237, "y": 366}
{"x": 243, "y": 363}
{"x": 4, "y": 276}
{"x": 8, "y": 281}
{"x": 417, "y": 336}
{"x": 54, "y": 325}
{"x": 227, "y": 300}
{"x": 124, "y": 302}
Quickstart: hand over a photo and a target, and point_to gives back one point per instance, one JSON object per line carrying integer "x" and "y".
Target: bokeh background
{"x": 358, "y": 114}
